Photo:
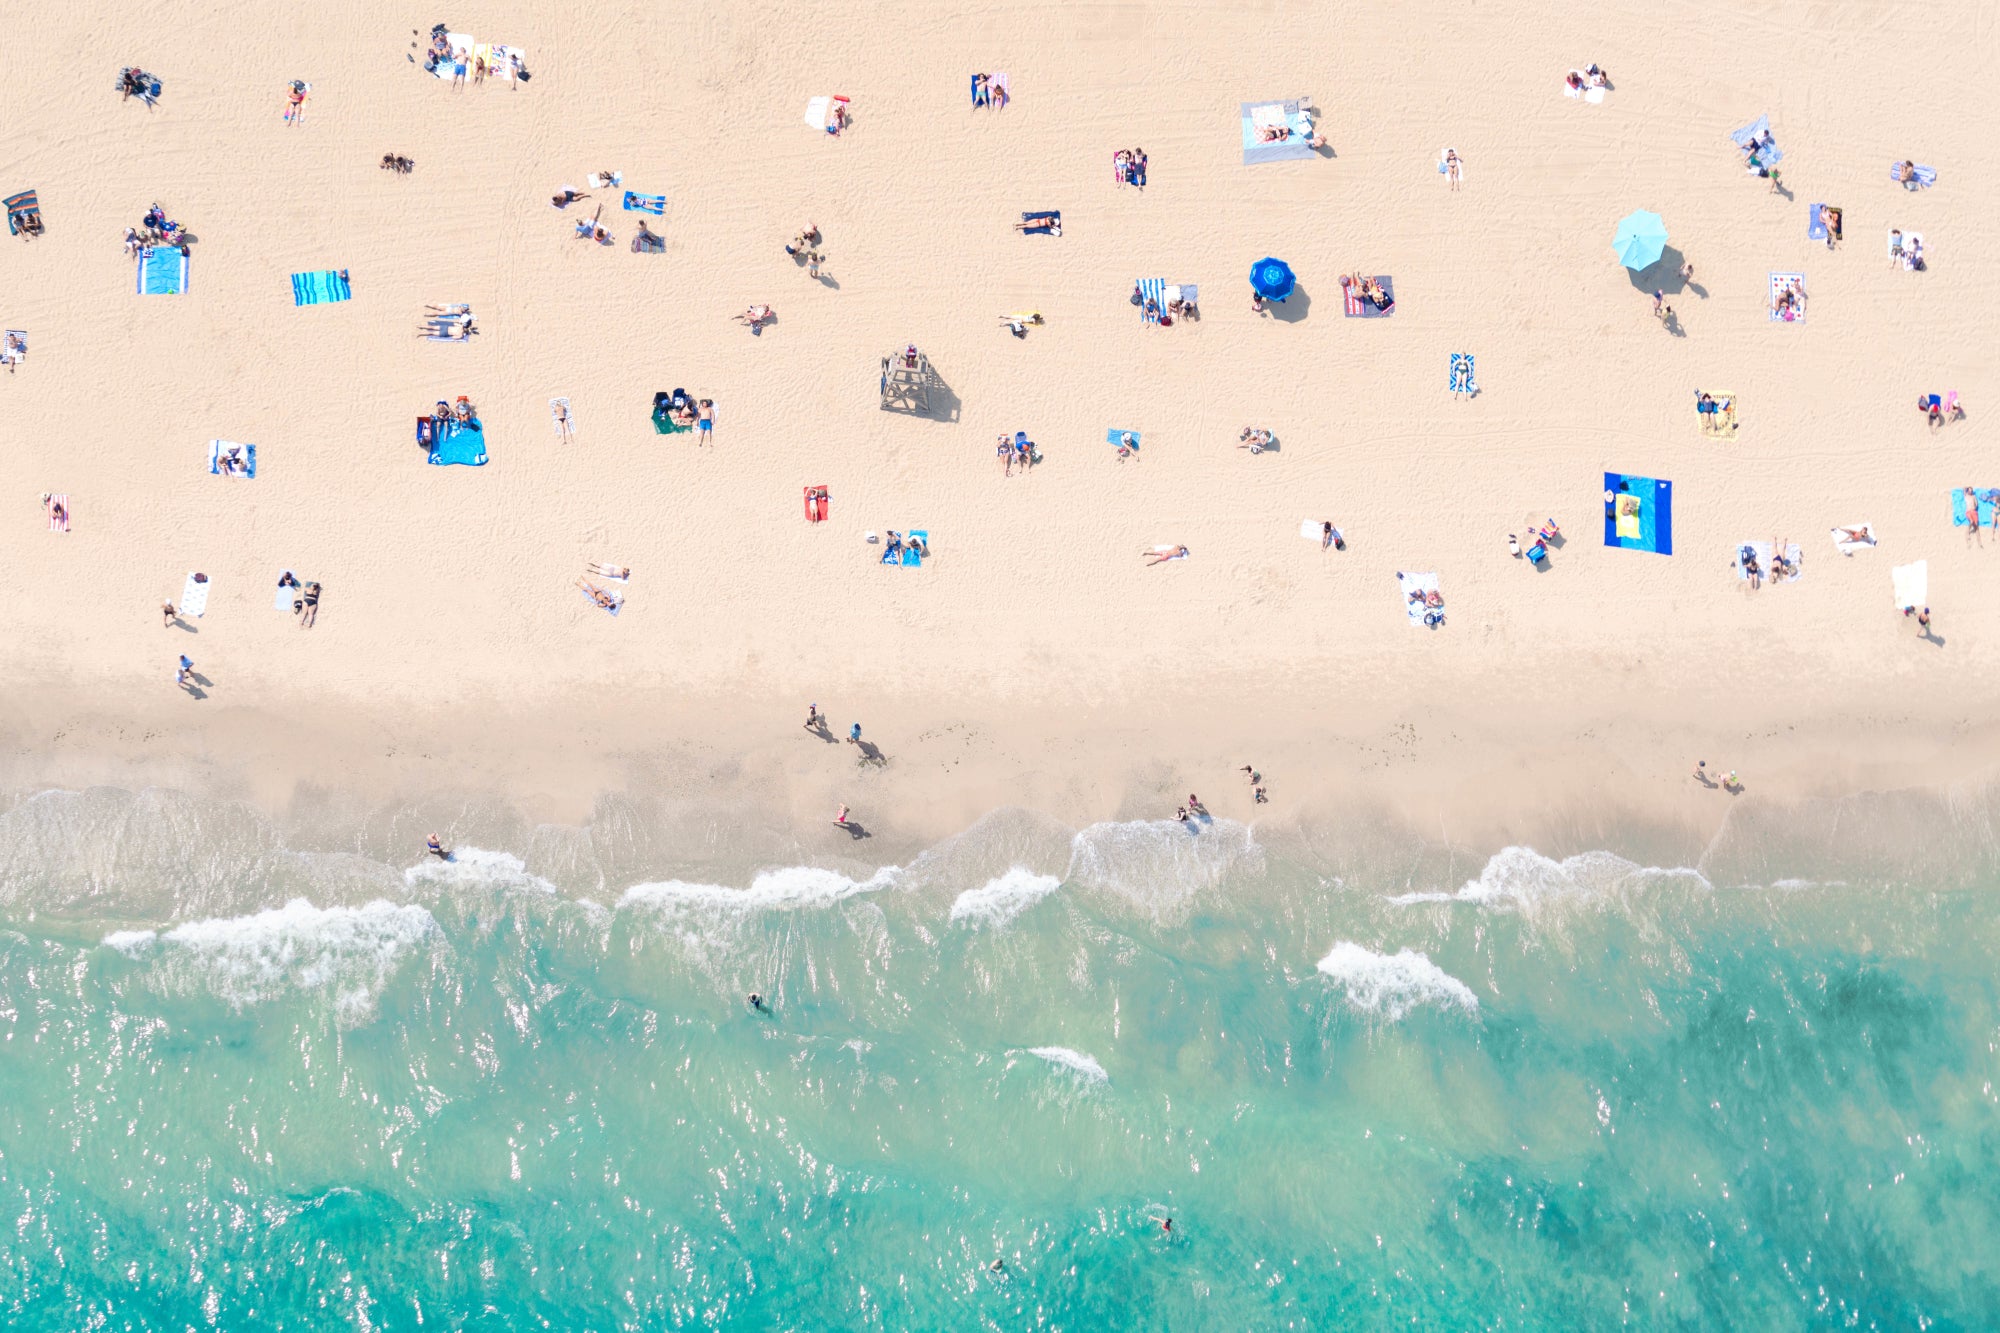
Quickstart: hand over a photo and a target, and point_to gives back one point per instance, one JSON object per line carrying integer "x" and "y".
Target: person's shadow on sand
{"x": 854, "y": 829}
{"x": 871, "y": 753}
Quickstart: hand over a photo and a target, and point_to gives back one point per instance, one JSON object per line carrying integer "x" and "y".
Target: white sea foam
{"x": 349, "y": 953}
{"x": 791, "y": 889}
{"x": 1074, "y": 1062}
{"x": 1522, "y": 877}
{"x": 1162, "y": 864}
{"x": 1391, "y": 985}
{"x": 998, "y": 901}
{"x": 476, "y": 868}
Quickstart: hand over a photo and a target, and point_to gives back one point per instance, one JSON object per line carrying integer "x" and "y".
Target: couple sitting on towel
{"x": 1369, "y": 289}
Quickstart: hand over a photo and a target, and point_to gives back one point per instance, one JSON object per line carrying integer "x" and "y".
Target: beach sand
{"x": 1034, "y": 660}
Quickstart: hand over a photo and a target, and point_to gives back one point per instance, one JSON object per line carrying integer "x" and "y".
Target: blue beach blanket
{"x": 1649, "y": 529}
{"x": 462, "y": 444}
{"x": 1116, "y": 437}
{"x": 1925, "y": 176}
{"x": 321, "y": 288}
{"x": 163, "y": 271}
{"x": 912, "y": 557}
{"x": 1759, "y": 132}
{"x": 1255, "y": 150}
{"x": 1989, "y": 505}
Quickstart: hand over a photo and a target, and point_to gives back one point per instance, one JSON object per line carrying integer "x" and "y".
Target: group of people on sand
{"x": 685, "y": 410}
{"x": 898, "y": 544}
{"x": 1906, "y": 251}
{"x": 1781, "y": 567}
{"x": 1254, "y": 438}
{"x": 1017, "y": 450}
{"x": 987, "y": 92}
{"x": 136, "y": 82}
{"x": 805, "y": 246}
{"x": 1790, "y": 301}
{"x": 1131, "y": 165}
{"x": 156, "y": 229}
{"x": 305, "y": 600}
{"x": 1581, "y": 80}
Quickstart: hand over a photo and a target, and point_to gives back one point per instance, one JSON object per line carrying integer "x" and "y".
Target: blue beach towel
{"x": 1925, "y": 176}
{"x": 1757, "y": 133}
{"x": 1116, "y": 437}
{"x": 321, "y": 288}
{"x": 1989, "y": 505}
{"x": 645, "y": 203}
{"x": 912, "y": 557}
{"x": 215, "y": 448}
{"x": 1815, "y": 229}
{"x": 1652, "y": 528}
{"x": 1461, "y": 373}
{"x": 462, "y": 444}
{"x": 1154, "y": 290}
{"x": 163, "y": 271}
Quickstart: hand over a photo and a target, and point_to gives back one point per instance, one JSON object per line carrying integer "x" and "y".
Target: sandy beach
{"x": 1034, "y": 659}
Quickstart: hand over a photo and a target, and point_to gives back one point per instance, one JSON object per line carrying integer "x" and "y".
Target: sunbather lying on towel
{"x": 1861, "y": 535}
{"x": 609, "y": 601}
{"x": 605, "y": 571}
{"x": 1275, "y": 133}
{"x": 1157, "y": 555}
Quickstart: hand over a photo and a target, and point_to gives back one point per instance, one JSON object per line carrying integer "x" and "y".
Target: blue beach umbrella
{"x": 1639, "y": 239}
{"x": 1272, "y": 279}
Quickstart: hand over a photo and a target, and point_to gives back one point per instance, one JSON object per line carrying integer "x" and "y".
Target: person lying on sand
{"x": 605, "y": 571}
{"x": 1157, "y": 556}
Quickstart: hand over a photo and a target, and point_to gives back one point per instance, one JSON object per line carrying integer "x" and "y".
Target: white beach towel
{"x": 1912, "y": 584}
{"x": 819, "y": 111}
{"x": 194, "y": 595}
{"x": 286, "y": 594}
{"x": 1269, "y": 116}
{"x": 502, "y": 64}
{"x": 1849, "y": 547}
{"x": 559, "y": 412}
{"x": 1411, "y": 583}
{"x": 1310, "y": 530}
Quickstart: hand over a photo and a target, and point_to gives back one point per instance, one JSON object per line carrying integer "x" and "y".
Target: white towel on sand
{"x": 1912, "y": 584}
{"x": 1412, "y": 583}
{"x": 194, "y": 595}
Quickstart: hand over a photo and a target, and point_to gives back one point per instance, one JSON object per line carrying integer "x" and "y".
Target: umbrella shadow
{"x": 1664, "y": 275}
{"x": 1293, "y": 308}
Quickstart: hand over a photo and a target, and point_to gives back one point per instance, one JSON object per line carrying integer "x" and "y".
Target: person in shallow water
{"x": 757, "y": 1002}
{"x": 436, "y": 848}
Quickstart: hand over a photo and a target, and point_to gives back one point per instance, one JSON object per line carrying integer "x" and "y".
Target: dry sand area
{"x": 449, "y": 590}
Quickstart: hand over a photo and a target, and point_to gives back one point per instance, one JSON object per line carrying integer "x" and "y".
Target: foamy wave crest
{"x": 1161, "y": 864}
{"x": 1072, "y": 1062}
{"x": 348, "y": 953}
{"x": 794, "y": 888}
{"x": 476, "y": 868}
{"x": 998, "y": 901}
{"x": 1523, "y": 877}
{"x": 1391, "y": 985}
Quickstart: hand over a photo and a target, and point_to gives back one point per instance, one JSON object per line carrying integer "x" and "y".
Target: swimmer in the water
{"x": 757, "y": 1002}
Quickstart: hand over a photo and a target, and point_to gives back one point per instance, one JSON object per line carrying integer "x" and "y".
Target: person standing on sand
{"x": 171, "y": 615}
{"x": 854, "y": 734}
{"x": 184, "y": 677}
{"x": 436, "y": 848}
{"x": 813, "y": 720}
{"x": 840, "y": 816}
{"x": 1924, "y": 622}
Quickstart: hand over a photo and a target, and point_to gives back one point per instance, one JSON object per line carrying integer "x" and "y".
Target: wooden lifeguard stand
{"x": 906, "y": 381}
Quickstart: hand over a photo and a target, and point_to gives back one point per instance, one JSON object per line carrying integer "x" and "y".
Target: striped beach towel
{"x": 58, "y": 511}
{"x": 1155, "y": 291}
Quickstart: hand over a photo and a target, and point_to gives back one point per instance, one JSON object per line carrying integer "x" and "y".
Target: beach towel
{"x": 194, "y": 596}
{"x": 1647, "y": 525}
{"x": 1764, "y": 552}
{"x": 1311, "y": 530}
{"x": 1797, "y": 313}
{"x": 1357, "y": 306}
{"x": 1417, "y": 583}
{"x": 1717, "y": 416}
{"x": 163, "y": 271}
{"x": 1051, "y": 223}
{"x": 598, "y": 180}
{"x": 1815, "y": 228}
{"x": 1116, "y": 438}
{"x": 912, "y": 557}
{"x": 1002, "y": 92}
{"x": 21, "y": 208}
{"x": 321, "y": 288}
{"x": 1912, "y": 584}
{"x": 1461, "y": 374}
{"x": 645, "y": 203}
{"x": 1155, "y": 291}
{"x": 1925, "y": 176}
{"x": 617, "y": 601}
{"x": 1756, "y": 137}
{"x": 1989, "y": 505}
{"x": 559, "y": 413}
{"x": 58, "y": 510}
{"x": 14, "y": 347}
{"x": 819, "y": 113}
{"x": 501, "y": 63}
{"x": 463, "y": 445}
{"x": 287, "y": 594}
{"x": 1847, "y": 545}
{"x": 1258, "y": 116}
{"x": 216, "y": 448}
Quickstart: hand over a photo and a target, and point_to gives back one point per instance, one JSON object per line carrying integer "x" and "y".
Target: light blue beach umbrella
{"x": 1272, "y": 279}
{"x": 1639, "y": 239}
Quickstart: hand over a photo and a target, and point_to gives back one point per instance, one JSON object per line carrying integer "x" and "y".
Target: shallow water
{"x": 247, "y": 1085}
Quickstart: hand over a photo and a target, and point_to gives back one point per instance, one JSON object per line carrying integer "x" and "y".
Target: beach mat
{"x": 463, "y": 445}
{"x": 1154, "y": 290}
{"x": 912, "y": 557}
{"x": 1255, "y": 115}
{"x": 1989, "y": 505}
{"x": 323, "y": 287}
{"x": 1926, "y": 176}
{"x": 194, "y": 596}
{"x": 1912, "y": 584}
{"x": 1357, "y": 306}
{"x": 1413, "y": 583}
{"x": 286, "y": 596}
{"x": 1649, "y": 529}
{"x": 1754, "y": 131}
{"x": 215, "y": 449}
{"x": 163, "y": 271}
{"x": 655, "y": 204}
{"x": 1116, "y": 438}
{"x": 58, "y": 524}
{"x": 1846, "y": 546}
{"x": 1779, "y": 281}
{"x": 1764, "y": 551}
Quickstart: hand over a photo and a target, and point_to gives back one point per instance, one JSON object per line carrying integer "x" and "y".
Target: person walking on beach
{"x": 840, "y": 816}
{"x": 854, "y": 734}
{"x": 1923, "y": 623}
{"x": 436, "y": 848}
{"x": 184, "y": 677}
{"x": 171, "y": 615}
{"x": 813, "y": 720}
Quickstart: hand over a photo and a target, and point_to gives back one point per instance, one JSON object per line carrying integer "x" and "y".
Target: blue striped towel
{"x": 1154, "y": 290}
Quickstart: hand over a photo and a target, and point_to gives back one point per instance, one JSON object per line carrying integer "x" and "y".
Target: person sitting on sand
{"x": 895, "y": 546}
{"x": 919, "y": 545}
{"x": 1751, "y": 570}
{"x": 1906, "y": 174}
{"x": 567, "y": 197}
{"x": 755, "y": 315}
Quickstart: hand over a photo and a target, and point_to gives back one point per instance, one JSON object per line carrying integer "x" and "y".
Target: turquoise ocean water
{"x": 244, "y": 1083}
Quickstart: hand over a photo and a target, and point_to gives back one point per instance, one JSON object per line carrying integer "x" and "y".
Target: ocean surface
{"x": 273, "y": 1076}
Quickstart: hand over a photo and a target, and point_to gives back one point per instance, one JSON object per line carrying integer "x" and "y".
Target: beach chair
{"x": 24, "y": 214}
